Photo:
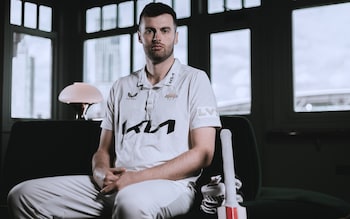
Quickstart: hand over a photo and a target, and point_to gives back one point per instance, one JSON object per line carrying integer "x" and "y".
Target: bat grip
{"x": 228, "y": 167}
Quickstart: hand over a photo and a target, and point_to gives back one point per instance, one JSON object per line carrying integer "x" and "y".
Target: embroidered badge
{"x": 171, "y": 96}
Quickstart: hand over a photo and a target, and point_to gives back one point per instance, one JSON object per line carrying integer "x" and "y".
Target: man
{"x": 160, "y": 122}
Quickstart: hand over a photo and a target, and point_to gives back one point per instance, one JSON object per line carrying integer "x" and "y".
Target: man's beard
{"x": 158, "y": 57}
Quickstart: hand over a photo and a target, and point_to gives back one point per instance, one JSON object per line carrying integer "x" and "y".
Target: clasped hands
{"x": 112, "y": 179}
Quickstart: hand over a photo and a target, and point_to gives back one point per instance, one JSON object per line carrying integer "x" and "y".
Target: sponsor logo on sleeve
{"x": 207, "y": 112}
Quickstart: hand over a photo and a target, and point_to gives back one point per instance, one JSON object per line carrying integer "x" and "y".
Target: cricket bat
{"x": 231, "y": 208}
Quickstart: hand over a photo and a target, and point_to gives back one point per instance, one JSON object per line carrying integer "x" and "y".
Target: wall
{"x": 314, "y": 161}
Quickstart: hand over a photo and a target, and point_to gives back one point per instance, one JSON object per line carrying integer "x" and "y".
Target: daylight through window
{"x": 231, "y": 82}
{"x": 321, "y": 58}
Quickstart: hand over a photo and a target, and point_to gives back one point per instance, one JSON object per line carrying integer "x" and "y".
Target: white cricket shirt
{"x": 152, "y": 122}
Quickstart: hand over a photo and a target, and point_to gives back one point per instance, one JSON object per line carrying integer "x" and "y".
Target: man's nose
{"x": 155, "y": 36}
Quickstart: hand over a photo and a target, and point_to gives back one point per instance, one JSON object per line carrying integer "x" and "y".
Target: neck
{"x": 157, "y": 71}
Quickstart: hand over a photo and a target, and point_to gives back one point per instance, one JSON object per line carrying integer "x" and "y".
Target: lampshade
{"x": 80, "y": 92}
{"x": 81, "y": 96}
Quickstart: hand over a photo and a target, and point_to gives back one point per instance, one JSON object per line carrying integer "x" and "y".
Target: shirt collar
{"x": 169, "y": 79}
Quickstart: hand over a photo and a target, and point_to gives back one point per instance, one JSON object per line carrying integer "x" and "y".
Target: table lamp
{"x": 81, "y": 96}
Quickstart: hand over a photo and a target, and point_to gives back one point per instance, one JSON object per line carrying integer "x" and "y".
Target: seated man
{"x": 160, "y": 124}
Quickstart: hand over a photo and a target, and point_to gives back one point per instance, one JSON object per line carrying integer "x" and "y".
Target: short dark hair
{"x": 155, "y": 9}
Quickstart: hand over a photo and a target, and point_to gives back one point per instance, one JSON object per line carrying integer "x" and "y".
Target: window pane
{"x": 182, "y": 8}
{"x": 30, "y": 15}
{"x": 181, "y": 48}
{"x": 45, "y": 18}
{"x": 16, "y": 12}
{"x": 126, "y": 14}
{"x": 93, "y": 20}
{"x": 231, "y": 82}
{"x": 233, "y": 5}
{"x": 168, "y": 2}
{"x": 215, "y": 6}
{"x": 105, "y": 60}
{"x": 321, "y": 58}
{"x": 140, "y": 5}
{"x": 109, "y": 17}
{"x": 251, "y": 3}
{"x": 138, "y": 54}
{"x": 31, "y": 77}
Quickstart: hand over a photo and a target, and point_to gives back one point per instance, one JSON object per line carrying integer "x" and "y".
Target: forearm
{"x": 100, "y": 159}
{"x": 100, "y": 167}
{"x": 186, "y": 164}
{"x": 183, "y": 166}
{"x": 190, "y": 162}
{"x": 180, "y": 167}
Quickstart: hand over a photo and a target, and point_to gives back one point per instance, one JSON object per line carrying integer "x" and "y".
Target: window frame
{"x": 230, "y": 28}
{"x": 271, "y": 59}
{"x": 200, "y": 26}
{"x": 283, "y": 117}
{"x": 9, "y": 31}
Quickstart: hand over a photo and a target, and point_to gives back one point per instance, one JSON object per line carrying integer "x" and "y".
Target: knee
{"x": 129, "y": 206}
{"x": 17, "y": 194}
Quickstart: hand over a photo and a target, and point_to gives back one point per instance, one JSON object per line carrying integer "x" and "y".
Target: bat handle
{"x": 228, "y": 166}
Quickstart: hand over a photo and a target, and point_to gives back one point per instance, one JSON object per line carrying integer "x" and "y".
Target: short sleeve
{"x": 203, "y": 102}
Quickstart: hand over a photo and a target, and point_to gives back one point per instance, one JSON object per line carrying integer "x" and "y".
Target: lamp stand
{"x": 80, "y": 110}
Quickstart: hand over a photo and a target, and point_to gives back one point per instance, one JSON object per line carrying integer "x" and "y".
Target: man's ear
{"x": 176, "y": 37}
{"x": 139, "y": 36}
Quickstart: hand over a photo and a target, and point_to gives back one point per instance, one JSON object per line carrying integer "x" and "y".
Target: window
{"x": 230, "y": 71}
{"x": 105, "y": 60}
{"x": 45, "y": 18}
{"x": 321, "y": 58}
{"x": 93, "y": 20}
{"x": 217, "y": 6}
{"x": 110, "y": 17}
{"x": 31, "y": 75}
{"x": 122, "y": 15}
{"x": 109, "y": 14}
{"x": 181, "y": 7}
{"x": 30, "y": 15}
{"x": 30, "y": 12}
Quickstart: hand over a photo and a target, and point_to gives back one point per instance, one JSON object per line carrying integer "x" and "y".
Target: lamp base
{"x": 80, "y": 110}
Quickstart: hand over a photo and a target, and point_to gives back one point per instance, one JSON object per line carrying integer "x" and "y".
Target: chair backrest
{"x": 246, "y": 156}
{"x": 46, "y": 148}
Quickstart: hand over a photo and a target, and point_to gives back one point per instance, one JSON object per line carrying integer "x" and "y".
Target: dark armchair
{"x": 266, "y": 202}
{"x": 47, "y": 148}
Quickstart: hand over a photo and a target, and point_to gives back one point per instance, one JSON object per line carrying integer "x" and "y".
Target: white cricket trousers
{"x": 79, "y": 197}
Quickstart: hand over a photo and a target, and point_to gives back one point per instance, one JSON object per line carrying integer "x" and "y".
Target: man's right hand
{"x": 106, "y": 178}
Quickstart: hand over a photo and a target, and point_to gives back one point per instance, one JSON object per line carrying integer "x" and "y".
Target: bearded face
{"x": 158, "y": 36}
